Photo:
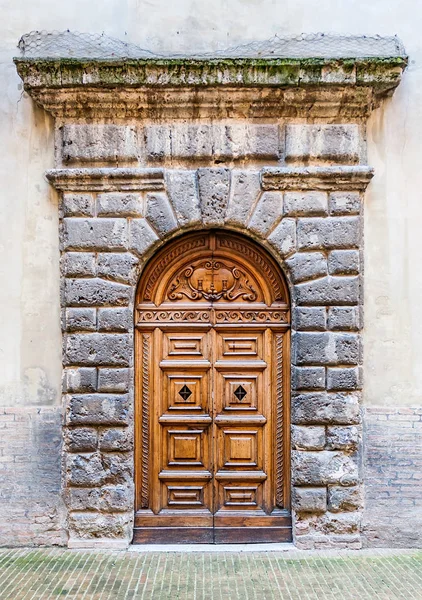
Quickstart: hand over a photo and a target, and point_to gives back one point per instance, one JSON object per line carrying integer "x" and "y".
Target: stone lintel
{"x": 106, "y": 179}
{"x": 210, "y": 87}
{"x": 316, "y": 178}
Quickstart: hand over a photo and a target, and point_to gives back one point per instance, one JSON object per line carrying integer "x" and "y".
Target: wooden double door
{"x": 212, "y": 383}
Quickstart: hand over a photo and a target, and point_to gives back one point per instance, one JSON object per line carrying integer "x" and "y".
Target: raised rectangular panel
{"x": 240, "y": 448}
{"x": 241, "y": 496}
{"x": 185, "y": 447}
{"x": 178, "y": 346}
{"x": 185, "y": 495}
{"x": 240, "y": 393}
{"x": 185, "y": 392}
{"x": 236, "y": 345}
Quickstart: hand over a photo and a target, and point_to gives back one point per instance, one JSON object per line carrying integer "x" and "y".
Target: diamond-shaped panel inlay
{"x": 240, "y": 393}
{"x": 185, "y": 392}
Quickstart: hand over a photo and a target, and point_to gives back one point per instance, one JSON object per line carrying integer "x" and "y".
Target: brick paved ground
{"x": 54, "y": 573}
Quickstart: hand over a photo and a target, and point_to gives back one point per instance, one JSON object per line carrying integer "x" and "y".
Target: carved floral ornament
{"x": 212, "y": 280}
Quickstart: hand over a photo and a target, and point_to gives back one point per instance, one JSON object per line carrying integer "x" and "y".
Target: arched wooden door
{"x": 212, "y": 380}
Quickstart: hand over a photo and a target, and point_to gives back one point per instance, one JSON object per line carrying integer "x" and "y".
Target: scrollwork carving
{"x": 251, "y": 316}
{"x": 173, "y": 316}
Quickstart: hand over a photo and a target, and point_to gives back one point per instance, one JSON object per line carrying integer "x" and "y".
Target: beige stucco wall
{"x": 30, "y": 347}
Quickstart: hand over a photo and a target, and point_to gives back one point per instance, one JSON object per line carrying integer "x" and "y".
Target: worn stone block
{"x": 345, "y": 203}
{"x": 344, "y": 498}
{"x": 283, "y": 238}
{"x": 92, "y": 525}
{"x": 78, "y": 264}
{"x": 344, "y": 317}
{"x": 322, "y": 143}
{"x": 307, "y": 265}
{"x": 113, "y": 380}
{"x": 341, "y": 523}
{"x": 182, "y": 189}
{"x": 108, "y": 498}
{"x": 99, "y": 143}
{"x": 343, "y": 262}
{"x": 323, "y": 468}
{"x": 305, "y": 203}
{"x": 95, "y": 234}
{"x": 85, "y": 470}
{"x": 214, "y": 186}
{"x": 115, "y": 319}
{"x": 81, "y": 380}
{"x": 141, "y": 236}
{"x": 78, "y": 205}
{"x": 81, "y": 439}
{"x": 329, "y": 290}
{"x": 343, "y": 438}
{"x": 117, "y": 439}
{"x": 267, "y": 213}
{"x": 344, "y": 379}
{"x": 120, "y": 267}
{"x": 120, "y": 204}
{"x": 309, "y": 499}
{"x": 308, "y": 378}
{"x": 96, "y": 292}
{"x": 98, "y": 409}
{"x": 157, "y": 142}
{"x": 119, "y": 468}
{"x": 309, "y": 318}
{"x": 107, "y": 349}
{"x": 244, "y": 190}
{"x": 246, "y": 140}
{"x": 81, "y": 319}
{"x": 159, "y": 213}
{"x": 327, "y": 348}
{"x": 308, "y": 437}
{"x": 323, "y": 409}
{"x": 317, "y": 233}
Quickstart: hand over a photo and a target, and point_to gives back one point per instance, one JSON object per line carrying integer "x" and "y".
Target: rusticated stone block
{"x": 119, "y": 468}
{"x": 341, "y": 523}
{"x": 345, "y": 203}
{"x": 267, "y": 213}
{"x": 308, "y": 378}
{"x": 329, "y": 290}
{"x": 308, "y": 437}
{"x": 109, "y": 499}
{"x": 99, "y": 143}
{"x": 81, "y": 319}
{"x": 343, "y": 438}
{"x": 117, "y": 439}
{"x": 81, "y": 439}
{"x": 323, "y": 468}
{"x": 214, "y": 185}
{"x": 344, "y": 379}
{"x": 309, "y": 499}
{"x": 120, "y": 267}
{"x": 325, "y": 541}
{"x": 182, "y": 189}
{"x": 105, "y": 349}
{"x": 78, "y": 264}
{"x": 244, "y": 190}
{"x": 317, "y": 233}
{"x": 95, "y": 234}
{"x": 96, "y": 292}
{"x": 94, "y": 525}
{"x": 343, "y": 262}
{"x": 344, "y": 317}
{"x": 78, "y": 205}
{"x": 305, "y": 203}
{"x": 85, "y": 470}
{"x": 309, "y": 318}
{"x": 159, "y": 213}
{"x": 326, "y": 143}
{"x": 283, "y": 238}
{"x": 246, "y": 140}
{"x": 141, "y": 236}
{"x": 113, "y": 380}
{"x": 98, "y": 409}
{"x": 344, "y": 498}
{"x": 115, "y": 319}
{"x": 325, "y": 409}
{"x": 120, "y": 204}
{"x": 327, "y": 348}
{"x": 81, "y": 380}
{"x": 307, "y": 265}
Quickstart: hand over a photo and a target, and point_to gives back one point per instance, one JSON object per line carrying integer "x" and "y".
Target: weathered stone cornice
{"x": 106, "y": 179}
{"x": 316, "y": 178}
{"x": 186, "y": 87}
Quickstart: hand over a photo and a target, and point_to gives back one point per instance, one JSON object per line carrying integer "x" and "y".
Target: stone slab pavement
{"x": 32, "y": 574}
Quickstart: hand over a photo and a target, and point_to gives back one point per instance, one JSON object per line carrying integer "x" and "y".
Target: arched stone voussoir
{"x": 159, "y": 213}
{"x": 245, "y": 189}
{"x": 267, "y": 213}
